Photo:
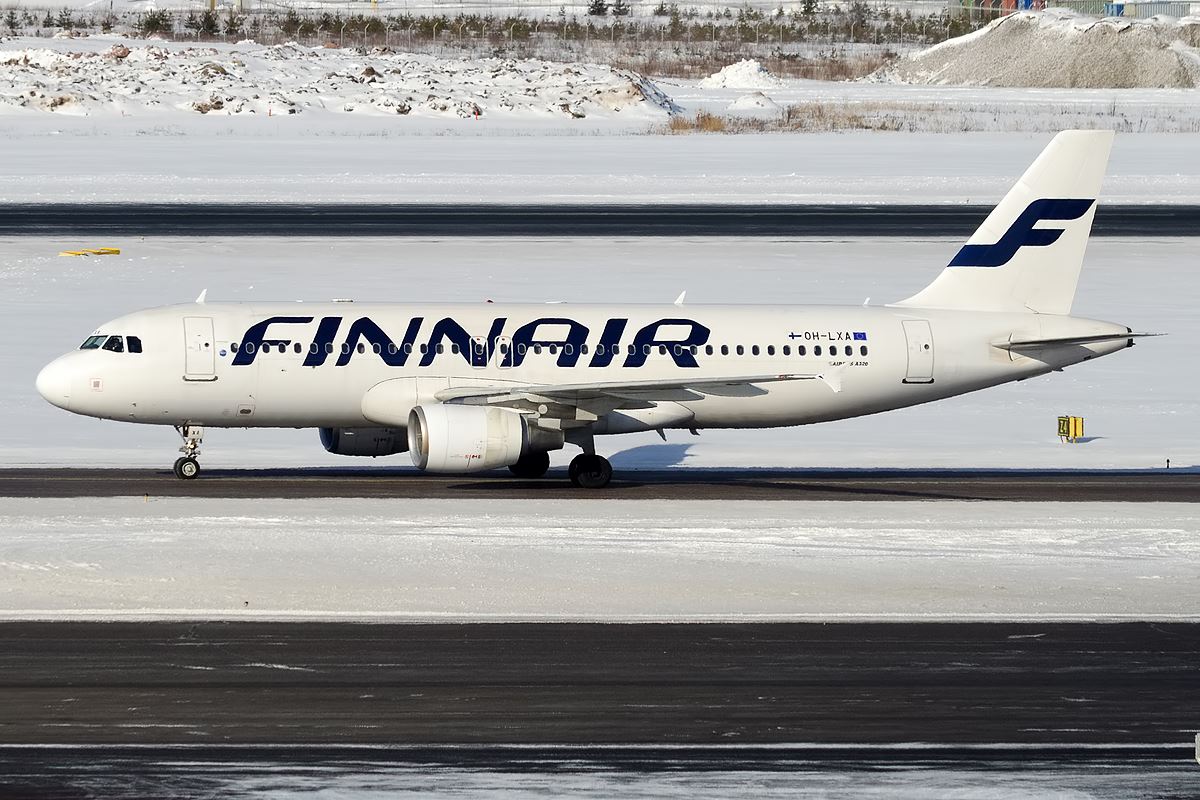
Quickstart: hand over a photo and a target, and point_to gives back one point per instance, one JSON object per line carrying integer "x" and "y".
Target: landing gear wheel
{"x": 590, "y": 471}
{"x": 531, "y": 465}
{"x": 186, "y": 468}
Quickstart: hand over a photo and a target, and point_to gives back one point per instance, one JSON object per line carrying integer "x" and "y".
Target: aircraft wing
{"x": 604, "y": 396}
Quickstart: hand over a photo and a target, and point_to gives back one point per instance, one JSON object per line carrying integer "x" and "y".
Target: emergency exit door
{"x": 919, "y": 336}
{"x": 199, "y": 356}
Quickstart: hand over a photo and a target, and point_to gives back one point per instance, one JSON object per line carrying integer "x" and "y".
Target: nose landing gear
{"x": 187, "y": 466}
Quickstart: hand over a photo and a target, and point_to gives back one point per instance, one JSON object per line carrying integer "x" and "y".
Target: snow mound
{"x": 755, "y": 102}
{"x": 1059, "y": 48}
{"x": 745, "y": 74}
{"x": 136, "y": 78}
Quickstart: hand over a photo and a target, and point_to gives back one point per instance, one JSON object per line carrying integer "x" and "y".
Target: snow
{"x": 755, "y": 103}
{"x": 745, "y": 74}
{"x": 1137, "y": 403}
{"x": 108, "y": 75}
{"x": 225, "y": 159}
{"x": 1060, "y": 48}
{"x": 595, "y": 559}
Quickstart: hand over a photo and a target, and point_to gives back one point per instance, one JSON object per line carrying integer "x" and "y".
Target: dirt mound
{"x": 1059, "y": 48}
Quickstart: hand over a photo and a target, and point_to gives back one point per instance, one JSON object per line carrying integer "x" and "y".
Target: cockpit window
{"x": 134, "y": 344}
{"x": 116, "y": 344}
{"x": 92, "y": 342}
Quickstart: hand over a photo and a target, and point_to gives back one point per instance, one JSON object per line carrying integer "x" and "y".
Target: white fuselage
{"x": 219, "y": 365}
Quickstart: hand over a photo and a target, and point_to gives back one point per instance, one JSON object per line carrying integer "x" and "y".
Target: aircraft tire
{"x": 589, "y": 471}
{"x": 186, "y": 468}
{"x": 531, "y": 465}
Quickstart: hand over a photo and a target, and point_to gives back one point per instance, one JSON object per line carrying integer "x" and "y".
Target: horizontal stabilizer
{"x": 1063, "y": 341}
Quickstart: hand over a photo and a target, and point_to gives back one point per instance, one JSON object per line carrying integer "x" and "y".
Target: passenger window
{"x": 504, "y": 348}
{"x": 863, "y": 349}
{"x": 375, "y": 348}
{"x": 801, "y": 350}
{"x": 408, "y": 348}
{"x": 583, "y": 349}
{"x": 770, "y": 349}
{"x": 441, "y": 348}
{"x": 537, "y": 349}
{"x": 296, "y": 348}
{"x": 708, "y": 349}
{"x": 695, "y": 349}
{"x": 134, "y": 344}
{"x": 329, "y": 347}
{"x": 552, "y": 348}
{"x": 453, "y": 349}
{"x": 391, "y": 348}
{"x": 662, "y": 349}
{"x": 741, "y": 351}
{"x": 817, "y": 350}
{"x": 849, "y": 350}
{"x": 787, "y": 349}
{"x": 646, "y": 349}
{"x": 569, "y": 349}
{"x": 233, "y": 346}
{"x": 115, "y": 344}
{"x": 724, "y": 349}
{"x": 754, "y": 350}
{"x": 632, "y": 349}
{"x": 250, "y": 347}
{"x": 424, "y": 349}
{"x": 92, "y": 342}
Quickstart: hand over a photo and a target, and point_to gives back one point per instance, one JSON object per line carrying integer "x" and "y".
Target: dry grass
{"x": 915, "y": 117}
{"x": 703, "y": 122}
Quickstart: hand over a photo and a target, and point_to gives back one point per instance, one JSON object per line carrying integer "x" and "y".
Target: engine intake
{"x": 455, "y": 438}
{"x": 364, "y": 441}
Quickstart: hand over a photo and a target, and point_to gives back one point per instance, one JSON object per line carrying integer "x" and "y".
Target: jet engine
{"x": 364, "y": 441}
{"x": 457, "y": 438}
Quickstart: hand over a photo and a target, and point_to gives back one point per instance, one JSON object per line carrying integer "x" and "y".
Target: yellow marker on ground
{"x": 93, "y": 251}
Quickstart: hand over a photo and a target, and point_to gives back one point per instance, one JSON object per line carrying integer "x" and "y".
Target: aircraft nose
{"x": 54, "y": 384}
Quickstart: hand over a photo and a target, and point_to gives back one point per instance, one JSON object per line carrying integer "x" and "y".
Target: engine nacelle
{"x": 364, "y": 441}
{"x": 456, "y": 438}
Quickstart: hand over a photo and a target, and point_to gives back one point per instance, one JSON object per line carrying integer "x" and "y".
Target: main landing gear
{"x": 590, "y": 471}
{"x": 187, "y": 466}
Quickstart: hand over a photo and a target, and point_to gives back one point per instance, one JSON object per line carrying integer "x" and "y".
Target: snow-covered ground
{"x": 215, "y": 160}
{"x": 596, "y": 560}
{"x": 1140, "y": 405}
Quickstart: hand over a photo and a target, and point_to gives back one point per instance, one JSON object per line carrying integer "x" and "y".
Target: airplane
{"x": 474, "y": 387}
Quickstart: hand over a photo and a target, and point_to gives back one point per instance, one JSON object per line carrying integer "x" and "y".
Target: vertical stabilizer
{"x": 1027, "y": 254}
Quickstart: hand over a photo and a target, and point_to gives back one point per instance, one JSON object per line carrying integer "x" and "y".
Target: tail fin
{"x": 1027, "y": 254}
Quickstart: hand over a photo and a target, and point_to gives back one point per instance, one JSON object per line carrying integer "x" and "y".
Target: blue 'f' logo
{"x": 1022, "y": 233}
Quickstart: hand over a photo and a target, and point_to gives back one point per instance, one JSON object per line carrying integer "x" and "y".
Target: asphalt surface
{"x": 71, "y": 683}
{"x": 1180, "y": 485}
{"x": 358, "y": 219}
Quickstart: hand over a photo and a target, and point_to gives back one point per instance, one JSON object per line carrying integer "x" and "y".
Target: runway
{"x": 1179, "y": 486}
{"x": 381, "y": 219}
{"x": 1022, "y": 685}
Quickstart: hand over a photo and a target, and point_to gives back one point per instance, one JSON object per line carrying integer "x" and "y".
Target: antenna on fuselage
{"x": 679, "y": 300}
{"x": 203, "y": 295}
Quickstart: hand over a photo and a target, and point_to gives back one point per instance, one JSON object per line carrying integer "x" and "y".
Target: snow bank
{"x": 138, "y": 78}
{"x": 755, "y": 103}
{"x": 745, "y": 74}
{"x": 1058, "y": 48}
